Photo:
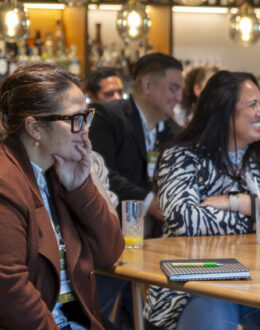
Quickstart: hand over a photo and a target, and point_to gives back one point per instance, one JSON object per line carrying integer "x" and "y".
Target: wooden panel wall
{"x": 74, "y": 21}
{"x": 160, "y": 30}
{"x": 44, "y": 20}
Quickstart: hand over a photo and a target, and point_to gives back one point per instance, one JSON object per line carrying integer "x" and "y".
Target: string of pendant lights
{"x": 132, "y": 22}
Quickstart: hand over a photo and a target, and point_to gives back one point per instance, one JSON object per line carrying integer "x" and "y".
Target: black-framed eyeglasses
{"x": 77, "y": 121}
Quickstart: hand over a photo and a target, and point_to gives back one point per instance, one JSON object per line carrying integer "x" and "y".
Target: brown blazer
{"x": 29, "y": 258}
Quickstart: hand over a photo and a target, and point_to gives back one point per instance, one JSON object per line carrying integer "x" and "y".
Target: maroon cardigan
{"x": 29, "y": 257}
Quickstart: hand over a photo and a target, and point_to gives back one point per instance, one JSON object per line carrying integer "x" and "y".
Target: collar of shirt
{"x": 40, "y": 178}
{"x": 42, "y": 184}
{"x": 150, "y": 136}
{"x": 236, "y": 157}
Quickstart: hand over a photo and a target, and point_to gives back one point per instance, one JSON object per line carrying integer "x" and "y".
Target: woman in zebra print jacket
{"x": 206, "y": 183}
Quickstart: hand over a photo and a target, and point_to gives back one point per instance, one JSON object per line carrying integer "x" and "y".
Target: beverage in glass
{"x": 133, "y": 223}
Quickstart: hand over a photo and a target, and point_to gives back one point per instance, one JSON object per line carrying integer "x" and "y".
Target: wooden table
{"x": 142, "y": 266}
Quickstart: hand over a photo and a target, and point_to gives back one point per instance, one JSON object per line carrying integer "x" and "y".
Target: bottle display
{"x": 58, "y": 39}
{"x": 50, "y": 48}
{"x": 73, "y": 61}
{"x": 38, "y": 42}
{"x": 3, "y": 60}
{"x": 47, "y": 55}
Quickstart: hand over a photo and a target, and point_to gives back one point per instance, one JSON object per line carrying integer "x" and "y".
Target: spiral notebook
{"x": 227, "y": 269}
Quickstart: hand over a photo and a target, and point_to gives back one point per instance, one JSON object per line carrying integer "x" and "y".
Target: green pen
{"x": 195, "y": 264}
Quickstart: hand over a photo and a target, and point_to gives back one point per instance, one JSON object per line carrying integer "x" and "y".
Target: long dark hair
{"x": 208, "y": 132}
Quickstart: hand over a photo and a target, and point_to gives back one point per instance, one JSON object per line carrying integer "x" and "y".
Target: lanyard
{"x": 54, "y": 214}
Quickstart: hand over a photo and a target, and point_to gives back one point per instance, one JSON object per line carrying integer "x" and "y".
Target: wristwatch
{"x": 234, "y": 202}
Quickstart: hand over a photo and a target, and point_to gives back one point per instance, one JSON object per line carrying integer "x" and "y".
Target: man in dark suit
{"x": 126, "y": 132}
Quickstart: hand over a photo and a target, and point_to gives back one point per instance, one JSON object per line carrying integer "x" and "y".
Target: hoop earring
{"x": 37, "y": 144}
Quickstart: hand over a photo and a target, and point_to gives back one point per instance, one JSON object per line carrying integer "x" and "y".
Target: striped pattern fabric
{"x": 184, "y": 181}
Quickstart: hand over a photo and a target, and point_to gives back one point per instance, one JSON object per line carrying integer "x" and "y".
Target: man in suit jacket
{"x": 126, "y": 132}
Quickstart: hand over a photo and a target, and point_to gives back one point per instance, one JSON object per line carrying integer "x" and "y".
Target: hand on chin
{"x": 73, "y": 170}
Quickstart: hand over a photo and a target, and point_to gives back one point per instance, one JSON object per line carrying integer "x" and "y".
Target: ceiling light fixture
{"x": 244, "y": 26}
{"x": 74, "y": 3}
{"x": 133, "y": 22}
{"x": 191, "y": 2}
{"x": 14, "y": 21}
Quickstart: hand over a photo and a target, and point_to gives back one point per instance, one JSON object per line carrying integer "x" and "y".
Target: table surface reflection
{"x": 142, "y": 265}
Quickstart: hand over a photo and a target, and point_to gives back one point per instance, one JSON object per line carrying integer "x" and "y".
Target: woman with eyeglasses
{"x": 57, "y": 223}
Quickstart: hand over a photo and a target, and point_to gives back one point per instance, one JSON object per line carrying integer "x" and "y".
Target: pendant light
{"x": 133, "y": 22}
{"x": 244, "y": 25}
{"x": 14, "y": 21}
{"x": 191, "y": 2}
{"x": 74, "y": 3}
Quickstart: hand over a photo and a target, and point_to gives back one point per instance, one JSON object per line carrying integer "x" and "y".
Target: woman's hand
{"x": 154, "y": 209}
{"x": 222, "y": 202}
{"x": 73, "y": 174}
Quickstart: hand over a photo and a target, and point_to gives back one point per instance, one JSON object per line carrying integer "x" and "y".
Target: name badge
{"x": 66, "y": 293}
{"x": 152, "y": 160}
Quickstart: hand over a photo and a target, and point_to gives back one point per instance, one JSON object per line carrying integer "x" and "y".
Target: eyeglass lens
{"x": 79, "y": 120}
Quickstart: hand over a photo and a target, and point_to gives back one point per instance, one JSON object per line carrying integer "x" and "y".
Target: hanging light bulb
{"x": 74, "y": 3}
{"x": 244, "y": 26}
{"x": 14, "y": 21}
{"x": 133, "y": 22}
{"x": 191, "y": 2}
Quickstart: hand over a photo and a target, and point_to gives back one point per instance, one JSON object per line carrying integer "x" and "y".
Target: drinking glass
{"x": 133, "y": 223}
{"x": 257, "y": 219}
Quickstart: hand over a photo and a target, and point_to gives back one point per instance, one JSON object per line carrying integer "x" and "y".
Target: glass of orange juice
{"x": 133, "y": 223}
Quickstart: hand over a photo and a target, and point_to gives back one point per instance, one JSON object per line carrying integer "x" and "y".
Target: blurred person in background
{"x": 125, "y": 132}
{"x": 57, "y": 224}
{"x": 194, "y": 82}
{"x": 207, "y": 184}
{"x": 104, "y": 85}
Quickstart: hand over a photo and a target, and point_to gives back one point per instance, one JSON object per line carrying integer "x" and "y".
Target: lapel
{"x": 47, "y": 244}
{"x": 134, "y": 120}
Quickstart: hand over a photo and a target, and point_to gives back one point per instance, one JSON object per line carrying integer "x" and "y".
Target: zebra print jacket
{"x": 184, "y": 181}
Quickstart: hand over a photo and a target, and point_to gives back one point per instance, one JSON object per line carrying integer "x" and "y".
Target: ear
{"x": 92, "y": 97}
{"x": 146, "y": 84}
{"x": 197, "y": 90}
{"x": 32, "y": 127}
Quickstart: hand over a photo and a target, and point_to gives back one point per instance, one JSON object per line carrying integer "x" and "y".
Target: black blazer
{"x": 117, "y": 134}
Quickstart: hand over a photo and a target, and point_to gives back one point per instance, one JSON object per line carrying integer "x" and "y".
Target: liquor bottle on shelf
{"x": 3, "y": 65}
{"x": 98, "y": 44}
{"x": 38, "y": 42}
{"x": 30, "y": 44}
{"x": 60, "y": 56}
{"x": 126, "y": 62}
{"x": 47, "y": 55}
{"x": 93, "y": 57}
{"x": 3, "y": 60}
{"x": 59, "y": 39}
{"x": 35, "y": 57}
{"x": 22, "y": 57}
{"x": 73, "y": 60}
